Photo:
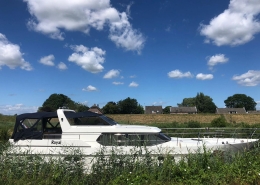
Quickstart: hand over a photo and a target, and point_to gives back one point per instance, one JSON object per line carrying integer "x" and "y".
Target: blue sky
{"x": 158, "y": 52}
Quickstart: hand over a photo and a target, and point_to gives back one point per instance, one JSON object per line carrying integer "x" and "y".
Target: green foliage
{"x": 219, "y": 122}
{"x": 81, "y": 107}
{"x": 240, "y": 101}
{"x": 126, "y": 106}
{"x": 129, "y": 106}
{"x": 4, "y": 133}
{"x": 166, "y": 110}
{"x": 203, "y": 167}
{"x": 203, "y": 103}
{"x": 193, "y": 124}
{"x": 187, "y": 102}
{"x": 57, "y": 100}
{"x": 110, "y": 108}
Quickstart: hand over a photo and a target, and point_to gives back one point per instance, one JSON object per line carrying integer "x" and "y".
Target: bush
{"x": 4, "y": 134}
{"x": 219, "y": 122}
{"x": 193, "y": 124}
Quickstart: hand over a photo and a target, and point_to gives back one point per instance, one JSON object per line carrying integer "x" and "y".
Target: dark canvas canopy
{"x": 41, "y": 118}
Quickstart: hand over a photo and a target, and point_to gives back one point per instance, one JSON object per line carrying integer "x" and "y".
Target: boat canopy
{"x": 32, "y": 125}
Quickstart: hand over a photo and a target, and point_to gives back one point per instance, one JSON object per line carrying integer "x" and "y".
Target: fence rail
{"x": 250, "y": 133}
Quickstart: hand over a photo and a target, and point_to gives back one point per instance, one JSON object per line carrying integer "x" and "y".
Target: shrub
{"x": 4, "y": 134}
{"x": 219, "y": 122}
{"x": 193, "y": 124}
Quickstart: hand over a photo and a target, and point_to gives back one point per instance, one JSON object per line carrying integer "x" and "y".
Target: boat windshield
{"x": 92, "y": 121}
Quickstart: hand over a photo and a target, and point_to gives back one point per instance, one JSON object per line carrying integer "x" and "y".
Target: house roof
{"x": 95, "y": 108}
{"x": 183, "y": 109}
{"x": 254, "y": 112}
{"x": 153, "y": 109}
{"x": 230, "y": 110}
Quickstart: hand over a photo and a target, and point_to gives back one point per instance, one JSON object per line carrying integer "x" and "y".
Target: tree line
{"x": 203, "y": 103}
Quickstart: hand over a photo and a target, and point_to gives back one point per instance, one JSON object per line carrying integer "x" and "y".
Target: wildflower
{"x": 208, "y": 167}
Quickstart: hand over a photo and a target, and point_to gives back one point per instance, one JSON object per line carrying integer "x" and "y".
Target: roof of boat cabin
{"x": 41, "y": 115}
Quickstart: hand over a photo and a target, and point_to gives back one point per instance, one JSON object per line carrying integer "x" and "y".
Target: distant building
{"x": 230, "y": 111}
{"x": 183, "y": 110}
{"x": 253, "y": 112}
{"x": 153, "y": 110}
{"x": 95, "y": 108}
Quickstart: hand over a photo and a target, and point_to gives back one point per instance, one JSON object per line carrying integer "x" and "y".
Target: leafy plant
{"x": 219, "y": 122}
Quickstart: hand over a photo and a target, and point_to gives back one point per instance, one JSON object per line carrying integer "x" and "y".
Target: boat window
{"x": 52, "y": 123}
{"x": 109, "y": 120}
{"x": 131, "y": 139}
{"x": 28, "y": 123}
{"x": 52, "y": 126}
{"x": 87, "y": 121}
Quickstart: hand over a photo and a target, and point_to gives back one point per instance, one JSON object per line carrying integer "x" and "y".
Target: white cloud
{"x": 17, "y": 109}
{"x": 178, "y": 74}
{"x": 112, "y": 74}
{"x": 202, "y": 76}
{"x": 250, "y": 78}
{"x": 124, "y": 36}
{"x": 62, "y": 66}
{"x": 235, "y": 26}
{"x": 158, "y": 103}
{"x": 118, "y": 83}
{"x": 47, "y": 60}
{"x": 133, "y": 84}
{"x": 51, "y": 16}
{"x": 133, "y": 76}
{"x": 11, "y": 56}
{"x": 89, "y": 59}
{"x": 90, "y": 88}
{"x": 217, "y": 59}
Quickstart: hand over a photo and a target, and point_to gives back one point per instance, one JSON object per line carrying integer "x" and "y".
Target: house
{"x": 183, "y": 110}
{"x": 230, "y": 111}
{"x": 153, "y": 110}
{"x": 253, "y": 112}
{"x": 95, "y": 108}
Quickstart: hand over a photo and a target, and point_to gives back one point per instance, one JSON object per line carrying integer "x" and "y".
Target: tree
{"x": 187, "y": 102}
{"x": 81, "y": 107}
{"x": 129, "y": 106}
{"x": 240, "y": 101}
{"x": 203, "y": 103}
{"x": 57, "y": 100}
{"x": 110, "y": 108}
{"x": 166, "y": 110}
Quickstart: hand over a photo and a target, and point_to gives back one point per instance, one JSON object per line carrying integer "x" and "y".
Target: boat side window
{"x": 28, "y": 123}
{"x": 52, "y": 129}
{"x": 131, "y": 139}
{"x": 34, "y": 124}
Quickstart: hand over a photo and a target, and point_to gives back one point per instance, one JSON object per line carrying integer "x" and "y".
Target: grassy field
{"x": 183, "y": 118}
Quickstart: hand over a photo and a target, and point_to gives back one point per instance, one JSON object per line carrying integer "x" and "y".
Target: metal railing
{"x": 250, "y": 133}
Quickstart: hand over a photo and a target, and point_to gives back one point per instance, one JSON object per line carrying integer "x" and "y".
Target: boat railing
{"x": 249, "y": 133}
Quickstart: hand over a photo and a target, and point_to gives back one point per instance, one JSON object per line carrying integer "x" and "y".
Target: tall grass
{"x": 135, "y": 168}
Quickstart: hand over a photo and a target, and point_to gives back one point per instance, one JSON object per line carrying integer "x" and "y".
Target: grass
{"x": 137, "y": 168}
